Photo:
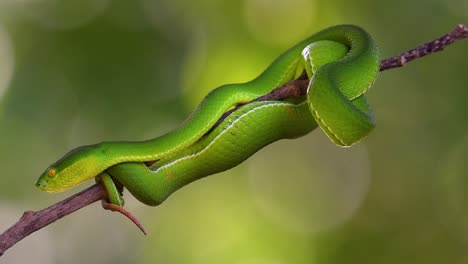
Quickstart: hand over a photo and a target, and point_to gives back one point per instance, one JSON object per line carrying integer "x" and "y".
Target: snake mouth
{"x": 41, "y": 184}
{"x": 45, "y": 188}
{"x": 44, "y": 185}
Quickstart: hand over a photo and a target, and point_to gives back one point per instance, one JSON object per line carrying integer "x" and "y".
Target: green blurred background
{"x": 76, "y": 72}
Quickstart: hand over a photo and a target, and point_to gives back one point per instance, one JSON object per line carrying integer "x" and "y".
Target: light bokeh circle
{"x": 451, "y": 190}
{"x": 63, "y": 14}
{"x": 262, "y": 260}
{"x": 7, "y": 61}
{"x": 211, "y": 64}
{"x": 279, "y": 22}
{"x": 309, "y": 185}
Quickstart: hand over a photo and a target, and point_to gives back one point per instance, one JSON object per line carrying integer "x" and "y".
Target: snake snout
{"x": 41, "y": 184}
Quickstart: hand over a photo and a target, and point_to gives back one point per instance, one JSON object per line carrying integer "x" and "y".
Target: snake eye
{"x": 51, "y": 173}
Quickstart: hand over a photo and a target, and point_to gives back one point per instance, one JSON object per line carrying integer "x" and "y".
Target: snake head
{"x": 76, "y": 166}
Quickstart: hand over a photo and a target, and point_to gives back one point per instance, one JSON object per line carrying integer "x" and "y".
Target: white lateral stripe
{"x": 218, "y": 136}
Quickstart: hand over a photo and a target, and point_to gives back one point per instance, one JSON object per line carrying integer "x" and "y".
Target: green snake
{"x": 341, "y": 62}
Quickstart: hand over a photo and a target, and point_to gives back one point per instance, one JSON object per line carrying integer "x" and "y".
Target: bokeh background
{"x": 76, "y": 72}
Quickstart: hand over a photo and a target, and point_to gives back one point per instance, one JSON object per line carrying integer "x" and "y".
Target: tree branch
{"x": 32, "y": 221}
{"x": 460, "y": 32}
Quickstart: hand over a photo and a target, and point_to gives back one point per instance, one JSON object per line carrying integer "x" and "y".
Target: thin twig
{"x": 32, "y": 221}
{"x": 460, "y": 32}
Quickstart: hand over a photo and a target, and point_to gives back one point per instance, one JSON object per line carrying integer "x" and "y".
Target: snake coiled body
{"x": 342, "y": 62}
{"x": 230, "y": 143}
